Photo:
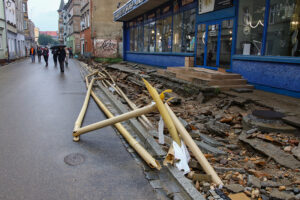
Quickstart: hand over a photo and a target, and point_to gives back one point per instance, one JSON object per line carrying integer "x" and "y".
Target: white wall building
{"x": 11, "y": 19}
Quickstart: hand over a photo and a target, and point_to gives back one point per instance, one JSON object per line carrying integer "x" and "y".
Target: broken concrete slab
{"x": 235, "y": 188}
{"x": 253, "y": 182}
{"x": 239, "y": 196}
{"x": 292, "y": 120}
{"x": 276, "y": 194}
{"x": 156, "y": 184}
{"x": 270, "y": 184}
{"x": 209, "y": 140}
{"x": 281, "y": 157}
{"x": 217, "y": 127}
{"x": 242, "y": 90}
{"x": 209, "y": 149}
{"x": 224, "y": 169}
{"x": 296, "y": 152}
{"x": 277, "y": 126}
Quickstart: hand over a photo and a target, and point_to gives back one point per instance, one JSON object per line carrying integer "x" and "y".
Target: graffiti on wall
{"x": 106, "y": 48}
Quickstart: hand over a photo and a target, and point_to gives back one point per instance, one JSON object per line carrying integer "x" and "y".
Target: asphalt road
{"x": 38, "y": 108}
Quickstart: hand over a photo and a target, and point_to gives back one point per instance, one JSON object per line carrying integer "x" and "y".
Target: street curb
{"x": 186, "y": 186}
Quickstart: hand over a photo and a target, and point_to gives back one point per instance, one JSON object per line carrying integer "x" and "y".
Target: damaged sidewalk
{"x": 250, "y": 138}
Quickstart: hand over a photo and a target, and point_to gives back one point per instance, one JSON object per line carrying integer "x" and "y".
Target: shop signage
{"x": 212, "y": 5}
{"x": 128, "y": 7}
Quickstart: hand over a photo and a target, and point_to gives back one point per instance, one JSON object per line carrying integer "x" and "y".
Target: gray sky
{"x": 44, "y": 14}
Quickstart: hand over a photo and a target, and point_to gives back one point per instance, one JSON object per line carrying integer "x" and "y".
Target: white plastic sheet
{"x": 182, "y": 155}
{"x": 161, "y": 138}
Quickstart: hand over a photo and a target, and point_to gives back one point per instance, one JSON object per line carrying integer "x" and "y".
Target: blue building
{"x": 258, "y": 39}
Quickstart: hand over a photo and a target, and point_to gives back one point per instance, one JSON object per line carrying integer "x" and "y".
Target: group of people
{"x": 60, "y": 54}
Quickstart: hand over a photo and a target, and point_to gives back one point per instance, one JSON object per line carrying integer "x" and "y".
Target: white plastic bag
{"x": 182, "y": 154}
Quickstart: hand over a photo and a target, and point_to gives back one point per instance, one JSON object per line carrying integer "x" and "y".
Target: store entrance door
{"x": 214, "y": 44}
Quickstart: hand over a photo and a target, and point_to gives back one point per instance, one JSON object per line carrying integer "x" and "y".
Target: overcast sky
{"x": 44, "y": 14}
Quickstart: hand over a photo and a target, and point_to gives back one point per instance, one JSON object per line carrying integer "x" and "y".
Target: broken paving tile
{"x": 239, "y": 196}
{"x": 276, "y": 194}
{"x": 272, "y": 151}
{"x": 296, "y": 152}
{"x": 209, "y": 140}
{"x": 235, "y": 188}
{"x": 224, "y": 169}
{"x": 151, "y": 175}
{"x": 253, "y": 181}
{"x": 202, "y": 178}
{"x": 217, "y": 127}
{"x": 209, "y": 149}
{"x": 156, "y": 184}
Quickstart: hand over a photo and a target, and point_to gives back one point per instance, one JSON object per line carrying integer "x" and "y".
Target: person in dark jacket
{"x": 46, "y": 55}
{"x": 32, "y": 54}
{"x": 54, "y": 53}
{"x": 61, "y": 53}
{"x": 39, "y": 53}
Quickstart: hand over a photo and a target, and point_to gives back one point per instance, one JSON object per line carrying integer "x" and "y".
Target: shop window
{"x": 250, "y": 27}
{"x": 188, "y": 34}
{"x": 177, "y": 32}
{"x": 226, "y": 42}
{"x": 133, "y": 38}
{"x": 140, "y": 38}
{"x": 201, "y": 36}
{"x": 164, "y": 34}
{"x": 283, "y": 33}
{"x": 149, "y": 37}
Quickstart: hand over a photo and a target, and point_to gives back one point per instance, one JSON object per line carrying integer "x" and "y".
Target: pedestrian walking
{"x": 46, "y": 55}
{"x": 71, "y": 52}
{"x": 39, "y": 53}
{"x": 32, "y": 54}
{"x": 61, "y": 53}
{"x": 67, "y": 56}
{"x": 54, "y": 53}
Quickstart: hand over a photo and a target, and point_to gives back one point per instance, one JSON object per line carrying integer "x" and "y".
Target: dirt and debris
{"x": 253, "y": 162}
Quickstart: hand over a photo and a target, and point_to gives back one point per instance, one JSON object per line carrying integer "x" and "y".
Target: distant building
{"x": 3, "y": 45}
{"x": 10, "y": 11}
{"x": 72, "y": 23}
{"x": 20, "y": 50}
{"x": 28, "y": 28}
{"x": 61, "y": 25}
{"x": 36, "y": 35}
{"x": 53, "y": 34}
{"x": 106, "y": 33}
{"x": 86, "y": 45}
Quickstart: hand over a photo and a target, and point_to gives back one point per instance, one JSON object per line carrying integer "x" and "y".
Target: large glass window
{"x": 133, "y": 39}
{"x": 140, "y": 38}
{"x": 164, "y": 34}
{"x": 189, "y": 19}
{"x": 226, "y": 41}
{"x": 283, "y": 28}
{"x": 177, "y": 32}
{"x": 201, "y": 37}
{"x": 149, "y": 37}
{"x": 250, "y": 27}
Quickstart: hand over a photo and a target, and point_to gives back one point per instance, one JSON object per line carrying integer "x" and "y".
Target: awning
{"x": 134, "y": 8}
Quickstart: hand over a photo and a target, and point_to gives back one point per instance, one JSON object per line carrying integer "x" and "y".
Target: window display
{"x": 189, "y": 19}
{"x": 283, "y": 28}
{"x": 177, "y": 33}
{"x": 149, "y": 37}
{"x": 250, "y": 27}
{"x": 164, "y": 35}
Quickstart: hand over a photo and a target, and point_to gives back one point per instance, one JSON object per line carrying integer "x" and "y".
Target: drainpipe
{"x": 6, "y": 30}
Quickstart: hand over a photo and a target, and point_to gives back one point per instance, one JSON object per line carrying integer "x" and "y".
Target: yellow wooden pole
{"x": 133, "y": 143}
{"x": 80, "y": 117}
{"x": 194, "y": 148}
{"x": 114, "y": 120}
{"x": 163, "y": 112}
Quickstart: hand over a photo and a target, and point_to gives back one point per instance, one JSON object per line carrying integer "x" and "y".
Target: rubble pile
{"x": 252, "y": 162}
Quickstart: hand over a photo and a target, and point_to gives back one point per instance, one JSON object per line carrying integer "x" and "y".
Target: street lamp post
{"x": 6, "y": 30}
